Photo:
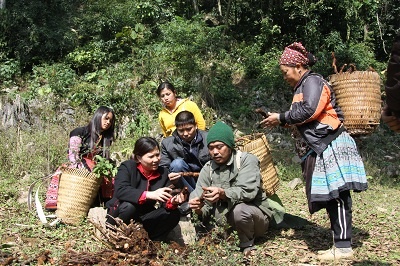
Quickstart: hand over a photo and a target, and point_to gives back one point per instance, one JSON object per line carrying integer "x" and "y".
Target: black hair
{"x": 184, "y": 118}
{"x": 165, "y": 85}
{"x": 311, "y": 59}
{"x": 144, "y": 145}
{"x": 94, "y": 129}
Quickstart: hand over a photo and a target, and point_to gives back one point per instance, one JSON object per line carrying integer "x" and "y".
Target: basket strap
{"x": 40, "y": 212}
{"x": 238, "y": 157}
{"x": 38, "y": 204}
{"x": 31, "y": 187}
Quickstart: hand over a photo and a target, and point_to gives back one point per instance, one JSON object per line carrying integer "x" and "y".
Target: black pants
{"x": 340, "y": 215}
{"x": 158, "y": 223}
{"x": 339, "y": 209}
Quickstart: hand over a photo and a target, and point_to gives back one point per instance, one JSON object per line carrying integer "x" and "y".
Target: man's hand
{"x": 161, "y": 194}
{"x": 174, "y": 176}
{"x": 214, "y": 194}
{"x": 392, "y": 121}
{"x": 196, "y": 204}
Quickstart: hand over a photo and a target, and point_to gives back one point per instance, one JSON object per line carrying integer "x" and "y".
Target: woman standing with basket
{"x": 84, "y": 144}
{"x": 331, "y": 164}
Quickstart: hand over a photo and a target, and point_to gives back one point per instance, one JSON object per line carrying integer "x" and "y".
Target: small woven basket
{"x": 257, "y": 144}
{"x": 358, "y": 94}
{"x": 77, "y": 190}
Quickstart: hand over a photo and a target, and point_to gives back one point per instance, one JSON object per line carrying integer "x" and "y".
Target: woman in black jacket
{"x": 142, "y": 193}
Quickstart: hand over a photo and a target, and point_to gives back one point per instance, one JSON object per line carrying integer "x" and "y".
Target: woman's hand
{"x": 174, "y": 177}
{"x": 214, "y": 194}
{"x": 271, "y": 121}
{"x": 179, "y": 198}
{"x": 161, "y": 194}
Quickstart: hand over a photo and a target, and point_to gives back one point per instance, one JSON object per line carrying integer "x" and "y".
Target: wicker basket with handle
{"x": 77, "y": 190}
{"x": 257, "y": 144}
{"x": 358, "y": 94}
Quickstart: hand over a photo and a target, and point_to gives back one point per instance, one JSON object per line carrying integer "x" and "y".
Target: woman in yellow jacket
{"x": 172, "y": 105}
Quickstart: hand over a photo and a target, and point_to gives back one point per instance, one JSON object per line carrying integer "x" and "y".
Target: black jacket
{"x": 130, "y": 184}
{"x": 314, "y": 112}
{"x": 173, "y": 147}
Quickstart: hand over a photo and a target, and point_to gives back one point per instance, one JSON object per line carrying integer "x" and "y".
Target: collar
{"x": 197, "y": 138}
{"x": 149, "y": 176}
{"x": 179, "y": 102}
{"x": 306, "y": 74}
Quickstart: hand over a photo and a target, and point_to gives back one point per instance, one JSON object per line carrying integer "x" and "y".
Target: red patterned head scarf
{"x": 293, "y": 54}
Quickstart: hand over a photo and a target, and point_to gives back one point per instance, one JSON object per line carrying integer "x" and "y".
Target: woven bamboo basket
{"x": 77, "y": 190}
{"x": 257, "y": 144}
{"x": 358, "y": 94}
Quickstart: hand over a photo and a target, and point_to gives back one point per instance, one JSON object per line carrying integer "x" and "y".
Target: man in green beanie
{"x": 229, "y": 191}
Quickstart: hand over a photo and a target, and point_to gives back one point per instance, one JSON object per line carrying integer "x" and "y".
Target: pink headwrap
{"x": 293, "y": 54}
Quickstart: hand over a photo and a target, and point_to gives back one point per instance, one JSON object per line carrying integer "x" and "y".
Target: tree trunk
{"x": 195, "y": 6}
{"x": 2, "y": 4}
{"x": 219, "y": 8}
{"x": 228, "y": 11}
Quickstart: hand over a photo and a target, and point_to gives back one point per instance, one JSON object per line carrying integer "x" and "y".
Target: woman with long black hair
{"x": 84, "y": 144}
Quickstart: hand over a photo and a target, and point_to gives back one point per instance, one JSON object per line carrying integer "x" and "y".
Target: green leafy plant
{"x": 104, "y": 168}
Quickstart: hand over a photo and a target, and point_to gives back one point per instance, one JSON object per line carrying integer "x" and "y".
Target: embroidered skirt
{"x": 337, "y": 169}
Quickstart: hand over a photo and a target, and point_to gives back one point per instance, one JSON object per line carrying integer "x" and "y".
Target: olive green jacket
{"x": 240, "y": 185}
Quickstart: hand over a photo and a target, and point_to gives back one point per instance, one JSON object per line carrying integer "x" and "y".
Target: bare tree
{"x": 195, "y": 6}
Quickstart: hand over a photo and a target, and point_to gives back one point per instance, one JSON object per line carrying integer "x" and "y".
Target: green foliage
{"x": 56, "y": 79}
{"x": 104, "y": 168}
{"x": 152, "y": 12}
{"x": 185, "y": 45}
{"x": 129, "y": 35}
{"x": 38, "y": 31}
{"x": 139, "y": 127}
{"x": 9, "y": 69}
{"x": 90, "y": 57}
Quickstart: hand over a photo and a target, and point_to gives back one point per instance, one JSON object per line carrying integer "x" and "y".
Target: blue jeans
{"x": 179, "y": 165}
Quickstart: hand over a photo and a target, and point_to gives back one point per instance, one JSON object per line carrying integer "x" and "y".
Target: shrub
{"x": 56, "y": 79}
{"x": 9, "y": 69}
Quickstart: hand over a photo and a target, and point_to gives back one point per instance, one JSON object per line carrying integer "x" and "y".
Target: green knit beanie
{"x": 221, "y": 132}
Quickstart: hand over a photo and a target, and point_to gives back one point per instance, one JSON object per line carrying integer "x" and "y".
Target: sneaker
{"x": 336, "y": 254}
{"x": 324, "y": 251}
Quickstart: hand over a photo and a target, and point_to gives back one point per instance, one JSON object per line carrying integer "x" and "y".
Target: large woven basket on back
{"x": 77, "y": 190}
{"x": 257, "y": 144}
{"x": 358, "y": 94}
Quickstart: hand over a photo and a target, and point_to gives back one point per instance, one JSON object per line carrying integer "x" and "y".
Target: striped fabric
{"x": 337, "y": 169}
